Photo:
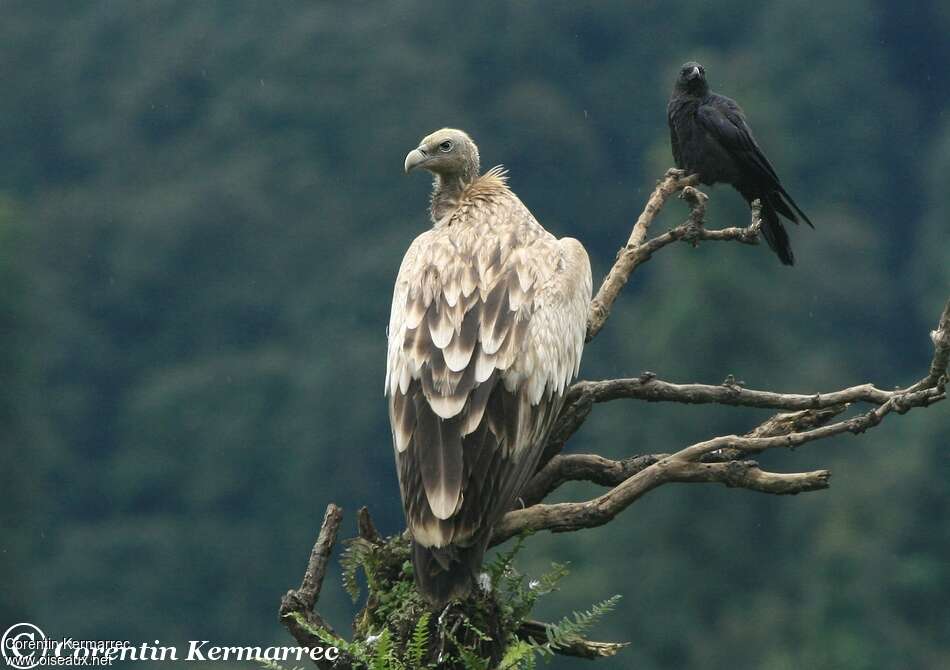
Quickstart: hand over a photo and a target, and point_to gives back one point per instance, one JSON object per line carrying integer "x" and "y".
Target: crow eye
{"x": 446, "y": 146}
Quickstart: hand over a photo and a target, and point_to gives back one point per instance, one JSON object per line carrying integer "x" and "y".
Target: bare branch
{"x": 583, "y": 394}
{"x": 636, "y": 251}
{"x": 937, "y": 376}
{"x": 583, "y": 467}
{"x": 692, "y": 464}
{"x": 628, "y": 256}
{"x": 565, "y": 517}
{"x": 592, "y": 468}
{"x": 536, "y": 631}
{"x": 648, "y": 387}
{"x": 301, "y": 601}
{"x": 686, "y": 466}
{"x": 365, "y": 526}
{"x": 780, "y": 424}
{"x": 693, "y": 231}
{"x": 899, "y": 403}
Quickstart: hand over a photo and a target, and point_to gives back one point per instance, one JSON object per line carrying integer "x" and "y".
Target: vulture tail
{"x": 772, "y": 229}
{"x": 445, "y": 573}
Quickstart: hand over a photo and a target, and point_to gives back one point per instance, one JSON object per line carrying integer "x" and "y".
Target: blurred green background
{"x": 202, "y": 211}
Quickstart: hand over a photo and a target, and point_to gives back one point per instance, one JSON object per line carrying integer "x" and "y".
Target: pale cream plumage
{"x": 486, "y": 332}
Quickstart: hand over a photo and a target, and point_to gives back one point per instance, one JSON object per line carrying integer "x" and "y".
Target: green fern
{"x": 384, "y": 657}
{"x": 501, "y": 564}
{"x": 471, "y": 660}
{"x": 568, "y": 630}
{"x": 395, "y": 630}
{"x": 356, "y": 650}
{"x": 358, "y": 554}
{"x": 419, "y": 643}
{"x": 520, "y": 655}
{"x": 550, "y": 580}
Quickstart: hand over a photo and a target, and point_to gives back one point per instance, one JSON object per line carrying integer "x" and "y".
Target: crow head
{"x": 692, "y": 79}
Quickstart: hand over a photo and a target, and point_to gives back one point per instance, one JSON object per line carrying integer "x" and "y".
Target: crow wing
{"x": 724, "y": 120}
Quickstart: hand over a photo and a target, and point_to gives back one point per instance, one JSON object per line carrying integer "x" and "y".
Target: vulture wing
{"x": 486, "y": 331}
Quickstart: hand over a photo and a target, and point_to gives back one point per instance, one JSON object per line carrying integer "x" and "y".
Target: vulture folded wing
{"x": 486, "y": 332}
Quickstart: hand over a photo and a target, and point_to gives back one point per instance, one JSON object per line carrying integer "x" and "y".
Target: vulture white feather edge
{"x": 487, "y": 327}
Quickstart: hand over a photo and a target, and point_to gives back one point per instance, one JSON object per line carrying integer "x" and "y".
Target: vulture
{"x": 488, "y": 320}
{"x": 710, "y": 137}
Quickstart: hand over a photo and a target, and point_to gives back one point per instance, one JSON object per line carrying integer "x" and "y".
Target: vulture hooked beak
{"x": 695, "y": 73}
{"x": 415, "y": 158}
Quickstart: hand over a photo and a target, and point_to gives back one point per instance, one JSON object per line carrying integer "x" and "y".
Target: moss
{"x": 396, "y": 630}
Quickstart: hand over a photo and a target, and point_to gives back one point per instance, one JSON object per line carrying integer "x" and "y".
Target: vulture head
{"x": 447, "y": 153}
{"x": 692, "y": 79}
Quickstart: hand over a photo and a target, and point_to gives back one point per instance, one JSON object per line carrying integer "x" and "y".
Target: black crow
{"x": 711, "y": 138}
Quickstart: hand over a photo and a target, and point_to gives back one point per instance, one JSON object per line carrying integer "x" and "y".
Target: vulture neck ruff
{"x": 449, "y": 193}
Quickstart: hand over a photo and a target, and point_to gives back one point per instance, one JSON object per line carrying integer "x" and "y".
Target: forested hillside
{"x": 202, "y": 211}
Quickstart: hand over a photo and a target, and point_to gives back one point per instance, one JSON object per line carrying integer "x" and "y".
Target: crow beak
{"x": 694, "y": 73}
{"x": 415, "y": 158}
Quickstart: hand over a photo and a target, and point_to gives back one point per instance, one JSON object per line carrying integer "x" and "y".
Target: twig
{"x": 855, "y": 425}
{"x": 583, "y": 394}
{"x": 628, "y": 256}
{"x": 583, "y": 467}
{"x": 366, "y": 529}
{"x": 564, "y": 517}
{"x": 599, "y": 470}
{"x": 636, "y": 251}
{"x": 301, "y": 601}
{"x": 648, "y": 387}
{"x": 937, "y": 375}
{"x": 536, "y": 631}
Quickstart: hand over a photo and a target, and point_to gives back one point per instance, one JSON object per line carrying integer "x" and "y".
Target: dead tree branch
{"x": 605, "y": 472}
{"x": 584, "y": 394}
{"x": 805, "y": 418}
{"x": 649, "y": 388}
{"x": 628, "y": 256}
{"x": 536, "y": 631}
{"x": 636, "y": 252}
{"x": 688, "y": 464}
{"x": 300, "y": 602}
{"x": 937, "y": 375}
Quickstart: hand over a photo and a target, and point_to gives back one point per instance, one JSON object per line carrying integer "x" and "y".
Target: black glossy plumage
{"x": 710, "y": 137}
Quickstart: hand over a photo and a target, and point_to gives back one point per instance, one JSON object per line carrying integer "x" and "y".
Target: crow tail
{"x": 446, "y": 573}
{"x": 772, "y": 229}
{"x": 775, "y": 233}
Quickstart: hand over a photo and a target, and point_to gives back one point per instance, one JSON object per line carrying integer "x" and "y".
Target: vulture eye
{"x": 446, "y": 146}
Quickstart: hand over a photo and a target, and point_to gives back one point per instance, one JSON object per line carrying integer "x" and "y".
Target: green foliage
{"x": 520, "y": 655}
{"x": 568, "y": 629}
{"x": 419, "y": 643}
{"x": 395, "y": 629}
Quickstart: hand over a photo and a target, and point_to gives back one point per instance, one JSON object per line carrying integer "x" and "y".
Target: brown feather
{"x": 486, "y": 331}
